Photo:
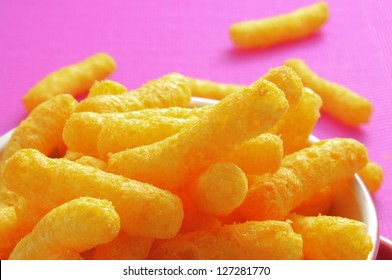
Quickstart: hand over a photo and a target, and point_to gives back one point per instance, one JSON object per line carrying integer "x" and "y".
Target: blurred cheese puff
{"x": 74, "y": 79}
{"x": 267, "y": 32}
{"x": 338, "y": 101}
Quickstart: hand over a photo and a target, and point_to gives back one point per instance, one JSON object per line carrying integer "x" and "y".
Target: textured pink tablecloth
{"x": 151, "y": 38}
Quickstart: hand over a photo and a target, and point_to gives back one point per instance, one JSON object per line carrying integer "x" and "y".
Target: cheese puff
{"x": 11, "y": 230}
{"x": 220, "y": 189}
{"x": 74, "y": 79}
{"x": 372, "y": 176}
{"x": 169, "y": 90}
{"x": 82, "y": 130}
{"x": 42, "y": 129}
{"x": 72, "y": 155}
{"x": 282, "y": 76}
{"x": 106, "y": 87}
{"x": 29, "y": 212}
{"x": 78, "y": 225}
{"x": 297, "y": 125}
{"x": 319, "y": 203}
{"x": 301, "y": 175}
{"x": 259, "y": 155}
{"x": 144, "y": 209}
{"x": 267, "y": 32}
{"x": 338, "y": 101}
{"x": 332, "y": 238}
{"x": 119, "y": 135}
{"x": 93, "y": 162}
{"x": 175, "y": 160}
{"x": 124, "y": 247}
{"x": 267, "y": 240}
{"x": 209, "y": 89}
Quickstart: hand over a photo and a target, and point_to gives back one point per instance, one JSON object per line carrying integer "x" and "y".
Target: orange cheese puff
{"x": 169, "y": 90}
{"x": 93, "y": 162}
{"x": 297, "y": 125}
{"x": 42, "y": 129}
{"x": 11, "y": 230}
{"x": 78, "y": 225}
{"x": 282, "y": 76}
{"x": 155, "y": 212}
{"x": 332, "y": 238}
{"x": 267, "y": 32}
{"x": 106, "y": 87}
{"x": 319, "y": 203}
{"x": 268, "y": 240}
{"x": 29, "y": 212}
{"x": 220, "y": 189}
{"x": 259, "y": 155}
{"x": 175, "y": 160}
{"x": 301, "y": 175}
{"x": 74, "y": 79}
{"x": 124, "y": 247}
{"x": 338, "y": 101}
{"x": 372, "y": 176}
{"x": 119, "y": 135}
{"x": 209, "y": 89}
{"x": 72, "y": 155}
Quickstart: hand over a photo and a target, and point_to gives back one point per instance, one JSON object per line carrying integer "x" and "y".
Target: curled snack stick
{"x": 106, "y": 87}
{"x": 29, "y": 212}
{"x": 297, "y": 125}
{"x": 169, "y": 90}
{"x": 252, "y": 240}
{"x": 332, "y": 238}
{"x": 175, "y": 160}
{"x": 273, "y": 196}
{"x": 120, "y": 135}
{"x": 11, "y": 230}
{"x": 124, "y": 247}
{"x": 73, "y": 79}
{"x": 155, "y": 213}
{"x": 78, "y": 225}
{"x": 259, "y": 155}
{"x": 319, "y": 203}
{"x": 340, "y": 102}
{"x": 42, "y": 129}
{"x": 267, "y": 32}
{"x": 372, "y": 176}
{"x": 282, "y": 76}
{"x": 220, "y": 189}
{"x": 93, "y": 162}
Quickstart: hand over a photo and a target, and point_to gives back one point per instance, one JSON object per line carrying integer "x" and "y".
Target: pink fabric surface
{"x": 151, "y": 38}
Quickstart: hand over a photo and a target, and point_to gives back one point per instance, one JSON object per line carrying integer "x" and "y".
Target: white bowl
{"x": 354, "y": 203}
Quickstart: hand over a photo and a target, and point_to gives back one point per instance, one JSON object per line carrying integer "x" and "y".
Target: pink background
{"x": 151, "y": 38}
